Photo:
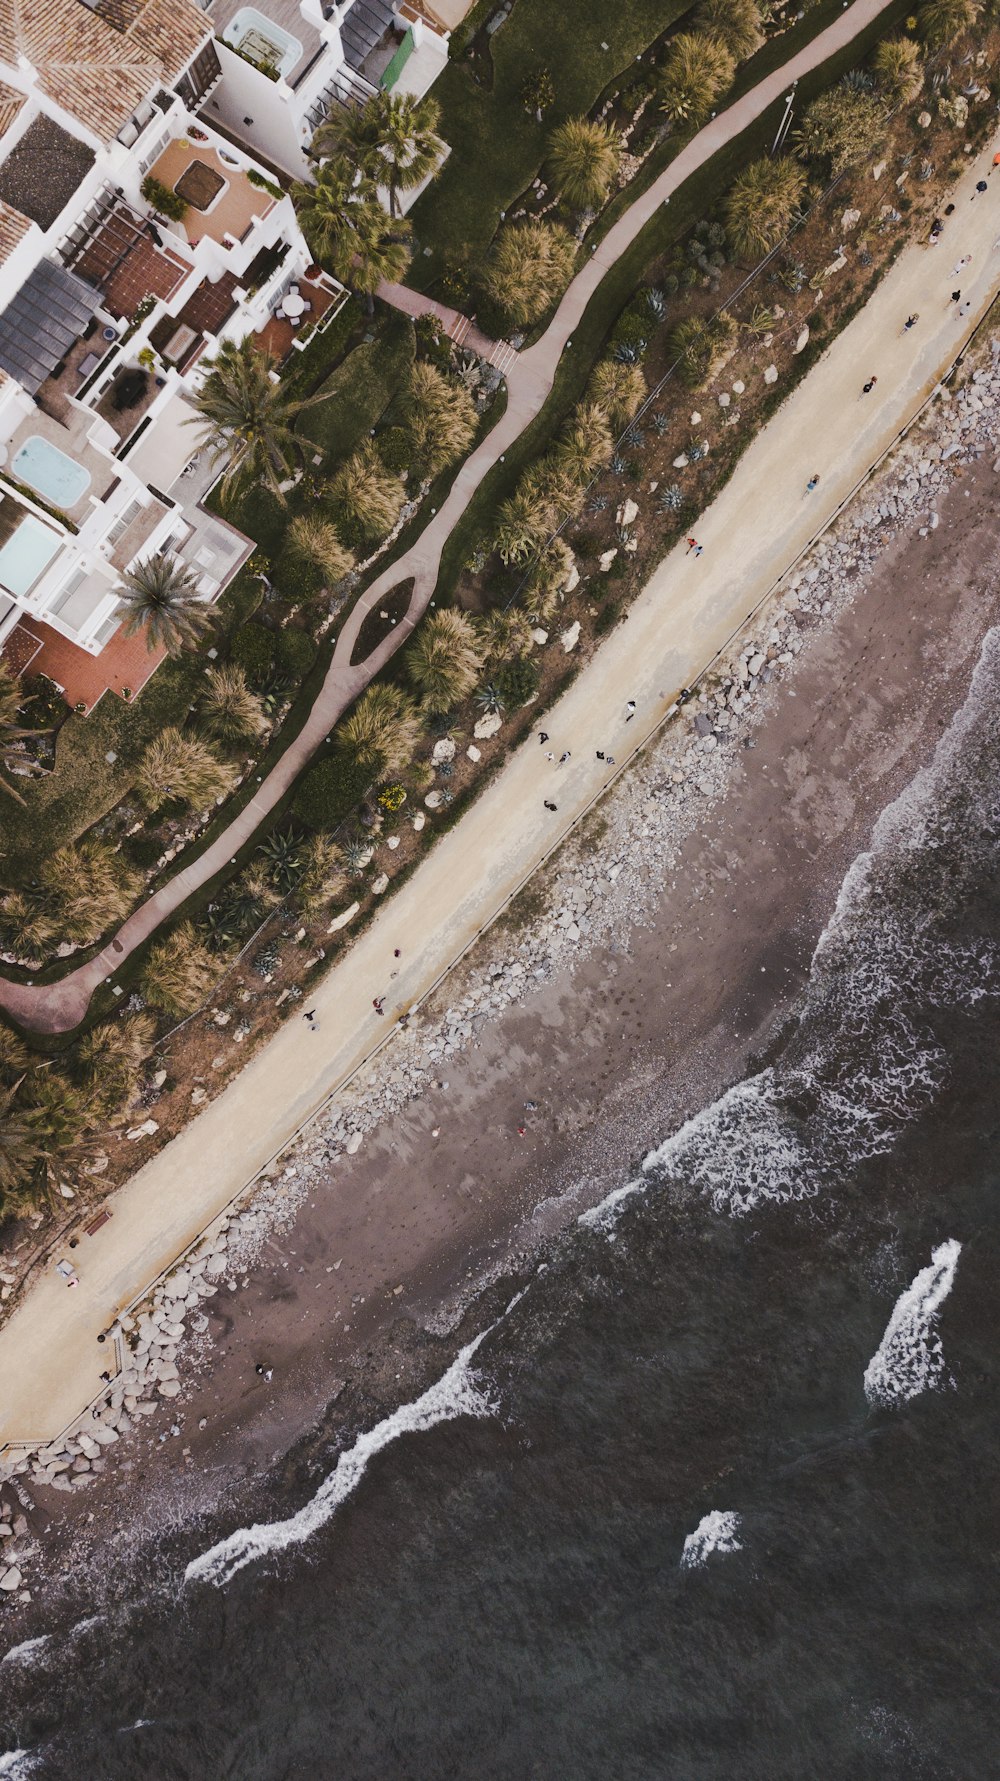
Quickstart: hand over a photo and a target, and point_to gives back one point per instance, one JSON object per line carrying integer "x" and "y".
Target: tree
{"x": 314, "y": 539}
{"x": 440, "y": 417}
{"x": 841, "y": 126}
{"x": 503, "y": 636}
{"x": 734, "y": 23}
{"x": 529, "y": 268}
{"x": 898, "y": 69}
{"x": 696, "y": 71}
{"x": 940, "y": 22}
{"x": 109, "y": 1059}
{"x": 369, "y": 495}
{"x": 22, "y": 1155}
{"x": 160, "y": 596}
{"x": 383, "y": 730}
{"x": 228, "y": 707}
{"x": 546, "y": 580}
{"x": 444, "y": 659}
{"x": 702, "y": 344}
{"x": 617, "y": 390}
{"x": 392, "y": 139}
{"x": 761, "y": 203}
{"x": 183, "y": 767}
{"x": 179, "y": 972}
{"x": 584, "y": 158}
{"x": 12, "y": 733}
{"x": 248, "y": 419}
{"x": 348, "y": 229}
{"x": 522, "y": 523}
{"x": 585, "y": 443}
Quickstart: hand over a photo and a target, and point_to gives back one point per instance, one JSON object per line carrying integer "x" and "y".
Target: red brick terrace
{"x": 124, "y": 662}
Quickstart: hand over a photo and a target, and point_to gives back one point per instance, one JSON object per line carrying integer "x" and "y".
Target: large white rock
{"x": 487, "y": 726}
{"x": 341, "y": 920}
{"x": 443, "y": 750}
{"x": 168, "y": 1388}
{"x": 571, "y": 638}
{"x": 572, "y": 581}
{"x": 10, "y": 1579}
{"x": 380, "y": 884}
{"x": 353, "y": 1143}
{"x": 771, "y": 374}
{"x": 803, "y": 338}
{"x": 433, "y": 799}
{"x": 145, "y": 1130}
{"x": 474, "y": 753}
{"x": 627, "y": 512}
{"x": 606, "y": 559}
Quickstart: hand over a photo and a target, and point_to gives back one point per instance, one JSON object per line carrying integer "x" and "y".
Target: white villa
{"x": 111, "y": 311}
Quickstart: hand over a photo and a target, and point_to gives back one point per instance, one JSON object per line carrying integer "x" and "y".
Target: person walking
{"x": 549, "y": 804}
{"x": 692, "y": 544}
{"x": 629, "y": 711}
{"x": 956, "y": 296}
{"x": 378, "y": 1004}
{"x": 310, "y": 1018}
{"x": 549, "y": 756}
{"x": 866, "y": 388}
{"x": 996, "y": 164}
{"x": 911, "y": 321}
{"x": 698, "y": 549}
{"x": 966, "y": 260}
{"x": 265, "y": 1372}
{"x": 964, "y": 308}
{"x": 600, "y": 754}
{"x": 543, "y": 736}
{"x": 811, "y": 484}
{"x": 565, "y": 756}
{"x": 936, "y": 229}
{"x": 980, "y": 187}
{"x": 610, "y": 760}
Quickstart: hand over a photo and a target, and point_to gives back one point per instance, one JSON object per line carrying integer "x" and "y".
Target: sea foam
{"x": 17, "y": 1765}
{"x": 909, "y": 1359}
{"x": 456, "y": 1393}
{"x": 716, "y": 1532}
{"x": 20, "y": 1654}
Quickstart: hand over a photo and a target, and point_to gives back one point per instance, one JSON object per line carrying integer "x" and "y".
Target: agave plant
{"x": 618, "y": 465}
{"x": 356, "y": 854}
{"x": 661, "y": 423}
{"x": 489, "y": 699}
{"x": 629, "y": 352}
{"x": 282, "y": 852}
{"x": 671, "y": 498}
{"x": 634, "y": 438}
{"x": 597, "y": 504}
{"x": 695, "y": 451}
{"x": 656, "y": 303}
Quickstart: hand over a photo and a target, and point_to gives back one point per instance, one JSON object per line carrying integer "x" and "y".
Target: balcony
{"x": 124, "y": 256}
{"x": 222, "y": 201}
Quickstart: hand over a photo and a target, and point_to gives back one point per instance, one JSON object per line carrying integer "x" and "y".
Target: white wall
{"x": 244, "y": 92}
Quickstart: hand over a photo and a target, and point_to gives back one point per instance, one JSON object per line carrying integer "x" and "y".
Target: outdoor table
{"x": 293, "y": 307}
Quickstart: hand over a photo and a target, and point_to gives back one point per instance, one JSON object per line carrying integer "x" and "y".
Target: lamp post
{"x": 783, "y": 127}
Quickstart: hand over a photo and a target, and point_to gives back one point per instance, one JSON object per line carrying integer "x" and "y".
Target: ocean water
{"x": 711, "y": 1494}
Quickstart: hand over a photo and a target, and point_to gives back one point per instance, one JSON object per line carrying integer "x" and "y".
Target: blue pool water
{"x": 248, "y": 30}
{"x": 26, "y": 553}
{"x": 50, "y": 472}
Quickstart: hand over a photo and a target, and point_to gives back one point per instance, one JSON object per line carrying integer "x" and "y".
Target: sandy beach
{"x": 686, "y": 984}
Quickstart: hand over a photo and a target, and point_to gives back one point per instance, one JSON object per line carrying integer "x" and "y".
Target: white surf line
{"x": 456, "y": 1393}
{"x": 17, "y": 1765}
{"x": 909, "y": 1359}
{"x": 716, "y": 1532}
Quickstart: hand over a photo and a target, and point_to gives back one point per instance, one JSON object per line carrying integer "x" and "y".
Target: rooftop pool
{"x": 29, "y": 549}
{"x": 266, "y": 43}
{"x": 57, "y": 478}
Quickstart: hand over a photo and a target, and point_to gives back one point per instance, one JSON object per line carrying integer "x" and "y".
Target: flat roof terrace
{"x": 222, "y": 201}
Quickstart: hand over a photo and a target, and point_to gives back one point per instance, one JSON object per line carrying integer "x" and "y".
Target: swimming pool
{"x": 262, "y": 40}
{"x": 28, "y": 550}
{"x": 50, "y": 472}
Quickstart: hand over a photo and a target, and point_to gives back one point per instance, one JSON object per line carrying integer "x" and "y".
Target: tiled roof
{"x": 12, "y": 226}
{"x": 11, "y": 102}
{"x": 97, "y": 72}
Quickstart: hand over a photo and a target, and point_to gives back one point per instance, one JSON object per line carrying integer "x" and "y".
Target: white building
{"x": 110, "y": 312}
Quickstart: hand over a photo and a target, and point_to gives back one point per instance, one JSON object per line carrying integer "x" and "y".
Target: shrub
{"x": 897, "y": 68}
{"x": 179, "y": 972}
{"x": 367, "y": 493}
{"x": 183, "y": 768}
{"x": 298, "y": 579}
{"x": 631, "y": 330}
{"x": 702, "y": 344}
{"x": 736, "y": 23}
{"x": 517, "y": 681}
{"x": 617, "y": 390}
{"x": 143, "y": 850}
{"x": 440, "y": 418}
{"x": 161, "y": 197}
{"x": 314, "y": 540}
{"x": 584, "y": 157}
{"x": 940, "y": 22}
{"x": 697, "y": 70}
{"x": 296, "y": 652}
{"x": 529, "y": 268}
{"x": 394, "y": 448}
{"x": 330, "y": 790}
{"x": 444, "y": 659}
{"x": 842, "y": 126}
{"x": 253, "y": 650}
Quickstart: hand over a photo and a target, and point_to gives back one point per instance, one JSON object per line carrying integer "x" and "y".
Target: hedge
{"x": 330, "y": 790}
{"x": 253, "y": 650}
{"x": 296, "y": 652}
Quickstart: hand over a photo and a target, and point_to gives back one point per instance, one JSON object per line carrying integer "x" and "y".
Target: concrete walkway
{"x": 50, "y": 1362}
{"x": 60, "y": 1006}
{"x": 457, "y": 326}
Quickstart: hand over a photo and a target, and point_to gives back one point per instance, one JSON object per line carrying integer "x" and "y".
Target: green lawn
{"x": 359, "y": 391}
{"x": 496, "y": 146}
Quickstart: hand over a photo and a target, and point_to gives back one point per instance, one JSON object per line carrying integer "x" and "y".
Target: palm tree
{"x": 585, "y": 444}
{"x": 383, "y": 730}
{"x": 83, "y": 888}
{"x": 314, "y": 538}
{"x": 503, "y": 636}
{"x": 940, "y": 22}
{"x": 322, "y": 876}
{"x": 184, "y": 767}
{"x": 735, "y": 23}
{"x": 22, "y": 1153}
{"x": 584, "y": 157}
{"x": 12, "y": 733}
{"x": 897, "y": 67}
{"x": 697, "y": 70}
{"x": 546, "y": 580}
{"x": 25, "y": 929}
{"x": 347, "y": 228}
{"x": 368, "y": 494}
{"x": 529, "y": 268}
{"x": 761, "y": 203}
{"x": 522, "y": 523}
{"x": 392, "y": 139}
{"x": 248, "y": 419}
{"x": 617, "y": 390}
{"x": 228, "y": 707}
{"x": 179, "y": 972}
{"x": 444, "y": 660}
{"x": 160, "y": 597}
{"x": 440, "y": 417}
{"x": 109, "y": 1059}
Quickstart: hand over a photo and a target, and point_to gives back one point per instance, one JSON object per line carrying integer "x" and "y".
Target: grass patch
{"x": 497, "y": 146}
{"x": 358, "y": 392}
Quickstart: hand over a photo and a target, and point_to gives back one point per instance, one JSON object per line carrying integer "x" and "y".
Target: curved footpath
{"x": 50, "y": 1362}
{"x": 60, "y": 1006}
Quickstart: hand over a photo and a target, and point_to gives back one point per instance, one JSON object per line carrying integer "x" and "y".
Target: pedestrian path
{"x": 59, "y": 1006}
{"x": 457, "y": 326}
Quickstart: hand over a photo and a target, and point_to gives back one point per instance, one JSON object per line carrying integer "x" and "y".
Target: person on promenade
{"x": 309, "y": 1016}
{"x": 600, "y": 754}
{"x": 866, "y": 388}
{"x": 549, "y": 804}
{"x": 692, "y": 544}
{"x": 630, "y": 711}
{"x": 980, "y": 187}
{"x": 911, "y": 321}
{"x": 543, "y": 736}
{"x": 565, "y": 756}
{"x": 956, "y": 296}
{"x": 811, "y": 484}
{"x": 378, "y": 1004}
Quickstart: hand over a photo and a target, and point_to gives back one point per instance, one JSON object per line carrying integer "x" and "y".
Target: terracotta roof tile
{"x": 96, "y": 72}
{"x": 11, "y": 102}
{"x": 12, "y": 227}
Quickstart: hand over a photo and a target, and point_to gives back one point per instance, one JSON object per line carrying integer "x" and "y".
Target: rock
{"x": 145, "y": 1130}
{"x": 433, "y": 800}
{"x": 353, "y": 1144}
{"x": 627, "y": 512}
{"x": 474, "y": 753}
{"x": 606, "y": 559}
{"x": 198, "y": 1095}
{"x": 725, "y": 399}
{"x": 10, "y": 1579}
{"x": 392, "y": 842}
{"x": 572, "y": 581}
{"x": 680, "y": 463}
{"x": 145, "y": 1407}
{"x": 168, "y": 1388}
{"x": 380, "y": 884}
{"x": 771, "y": 374}
{"x": 419, "y": 820}
{"x": 571, "y": 638}
{"x": 5, "y": 1530}
{"x": 346, "y": 915}
{"x": 756, "y": 663}
{"x": 443, "y": 750}
{"x": 221, "y": 1018}
{"x": 738, "y": 387}
{"x": 880, "y": 166}
{"x": 539, "y": 636}
{"x": 695, "y": 419}
{"x": 803, "y": 339}
{"x": 487, "y": 726}
{"x": 159, "y": 1078}
{"x": 850, "y": 219}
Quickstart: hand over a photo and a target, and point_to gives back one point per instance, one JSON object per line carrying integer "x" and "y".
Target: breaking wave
{"x": 909, "y": 1359}
{"x": 716, "y": 1532}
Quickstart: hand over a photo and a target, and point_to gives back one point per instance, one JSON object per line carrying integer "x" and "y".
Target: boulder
{"x": 571, "y": 638}
{"x": 341, "y": 920}
{"x": 572, "y": 581}
{"x": 380, "y": 884}
{"x": 803, "y": 338}
{"x": 169, "y": 1388}
{"x": 474, "y": 753}
{"x": 627, "y": 512}
{"x": 10, "y": 1579}
{"x": 487, "y": 726}
{"x": 771, "y": 374}
{"x": 353, "y": 1144}
{"x": 145, "y": 1130}
{"x": 606, "y": 559}
{"x": 443, "y": 750}
{"x": 433, "y": 800}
